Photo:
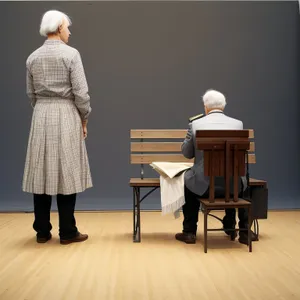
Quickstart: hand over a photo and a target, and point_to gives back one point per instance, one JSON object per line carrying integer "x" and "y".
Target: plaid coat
{"x": 56, "y": 159}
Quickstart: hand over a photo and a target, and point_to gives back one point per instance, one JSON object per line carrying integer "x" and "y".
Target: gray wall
{"x": 147, "y": 65}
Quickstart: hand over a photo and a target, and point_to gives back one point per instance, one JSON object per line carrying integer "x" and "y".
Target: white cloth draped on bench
{"x": 171, "y": 185}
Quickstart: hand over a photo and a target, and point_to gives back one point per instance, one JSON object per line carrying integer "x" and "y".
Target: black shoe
{"x": 229, "y": 225}
{"x": 77, "y": 239}
{"x": 243, "y": 238}
{"x": 188, "y": 238}
{"x": 42, "y": 240}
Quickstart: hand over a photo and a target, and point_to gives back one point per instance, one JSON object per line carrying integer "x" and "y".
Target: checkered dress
{"x": 56, "y": 159}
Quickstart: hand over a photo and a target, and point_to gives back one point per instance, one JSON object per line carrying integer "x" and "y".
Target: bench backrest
{"x": 149, "y": 145}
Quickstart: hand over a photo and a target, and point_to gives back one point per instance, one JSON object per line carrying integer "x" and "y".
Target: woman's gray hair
{"x": 51, "y": 21}
{"x": 214, "y": 99}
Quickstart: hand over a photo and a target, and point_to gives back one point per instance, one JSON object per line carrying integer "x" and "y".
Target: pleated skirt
{"x": 56, "y": 159}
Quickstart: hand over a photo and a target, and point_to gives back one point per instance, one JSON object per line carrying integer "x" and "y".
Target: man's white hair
{"x": 51, "y": 20}
{"x": 214, "y": 99}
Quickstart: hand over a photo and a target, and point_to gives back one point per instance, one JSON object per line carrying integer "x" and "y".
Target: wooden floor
{"x": 110, "y": 266}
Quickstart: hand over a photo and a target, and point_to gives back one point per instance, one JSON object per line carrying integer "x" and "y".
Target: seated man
{"x": 196, "y": 184}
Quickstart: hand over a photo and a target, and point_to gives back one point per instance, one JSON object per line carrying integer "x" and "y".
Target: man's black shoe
{"x": 188, "y": 238}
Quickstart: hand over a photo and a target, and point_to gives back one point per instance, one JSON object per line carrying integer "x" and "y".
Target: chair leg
{"x": 249, "y": 228}
{"x": 205, "y": 229}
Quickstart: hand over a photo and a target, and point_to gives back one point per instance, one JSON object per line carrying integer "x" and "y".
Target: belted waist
{"x": 39, "y": 98}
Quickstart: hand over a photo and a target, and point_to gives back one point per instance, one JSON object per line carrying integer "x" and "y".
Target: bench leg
{"x": 136, "y": 215}
{"x": 205, "y": 230}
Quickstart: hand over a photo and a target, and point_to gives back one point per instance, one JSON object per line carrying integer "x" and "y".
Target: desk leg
{"x": 205, "y": 229}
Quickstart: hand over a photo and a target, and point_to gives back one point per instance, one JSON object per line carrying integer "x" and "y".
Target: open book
{"x": 170, "y": 169}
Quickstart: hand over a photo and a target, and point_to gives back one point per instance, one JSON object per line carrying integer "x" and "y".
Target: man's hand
{"x": 84, "y": 128}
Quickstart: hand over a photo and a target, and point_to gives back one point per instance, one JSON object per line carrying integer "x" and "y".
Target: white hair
{"x": 214, "y": 99}
{"x": 51, "y": 20}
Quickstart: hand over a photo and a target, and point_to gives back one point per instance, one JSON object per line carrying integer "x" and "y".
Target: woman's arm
{"x": 80, "y": 87}
{"x": 30, "y": 88}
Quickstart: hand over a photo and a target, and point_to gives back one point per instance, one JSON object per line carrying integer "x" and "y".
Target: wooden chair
{"x": 225, "y": 154}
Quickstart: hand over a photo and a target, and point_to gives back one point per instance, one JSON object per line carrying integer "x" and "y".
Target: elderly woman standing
{"x": 56, "y": 161}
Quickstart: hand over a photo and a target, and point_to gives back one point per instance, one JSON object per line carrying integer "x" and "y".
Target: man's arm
{"x": 187, "y": 147}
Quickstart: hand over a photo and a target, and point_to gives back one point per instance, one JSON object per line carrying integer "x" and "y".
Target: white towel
{"x": 172, "y": 194}
{"x": 171, "y": 185}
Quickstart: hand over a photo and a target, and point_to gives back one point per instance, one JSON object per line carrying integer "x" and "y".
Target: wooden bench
{"x": 149, "y": 145}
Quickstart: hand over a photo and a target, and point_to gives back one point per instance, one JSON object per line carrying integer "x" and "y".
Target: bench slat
{"x": 156, "y": 147}
{"x": 164, "y": 147}
{"x": 257, "y": 182}
{"x": 252, "y": 158}
{"x": 158, "y": 133}
{"x": 156, "y": 182}
{"x": 165, "y": 133}
{"x": 149, "y": 182}
{"x": 149, "y": 158}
